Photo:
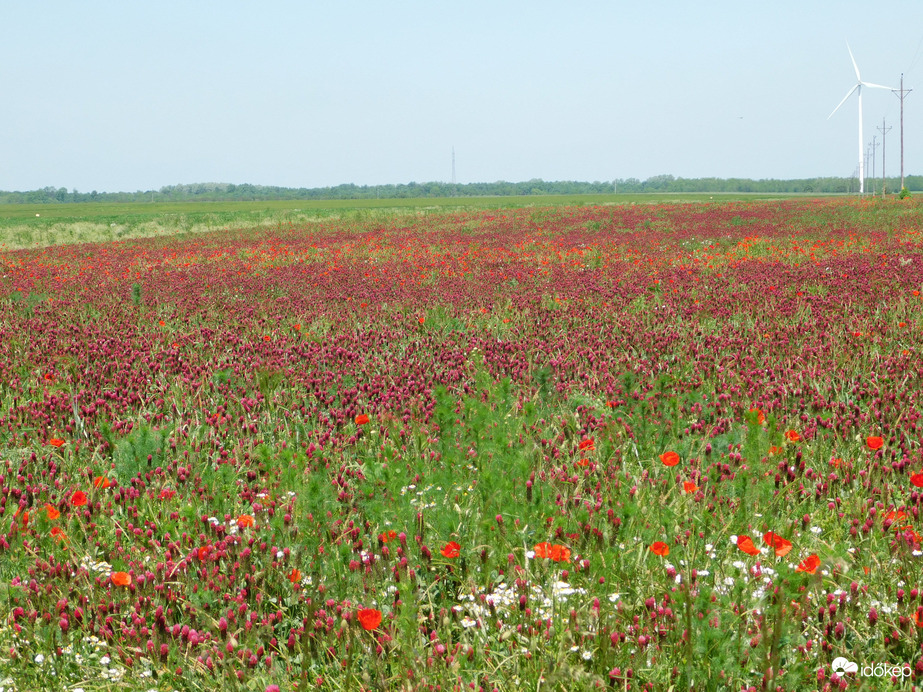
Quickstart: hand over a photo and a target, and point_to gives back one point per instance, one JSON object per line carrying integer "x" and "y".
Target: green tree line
{"x": 220, "y": 192}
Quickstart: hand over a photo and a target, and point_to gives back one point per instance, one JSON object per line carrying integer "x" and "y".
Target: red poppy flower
{"x": 101, "y": 482}
{"x": 745, "y": 543}
{"x": 121, "y": 578}
{"x": 451, "y": 550}
{"x": 917, "y": 479}
{"x": 792, "y": 436}
{"x": 56, "y": 442}
{"x": 781, "y": 545}
{"x": 689, "y": 487}
{"x": 660, "y": 548}
{"x": 874, "y": 443}
{"x": 52, "y": 512}
{"x": 58, "y": 533}
{"x": 774, "y": 450}
{"x": 422, "y": 320}
{"x": 245, "y": 521}
{"x": 669, "y": 458}
{"x": 369, "y": 618}
{"x": 162, "y": 323}
{"x": 362, "y": 419}
{"x": 78, "y": 499}
{"x": 809, "y": 564}
{"x": 760, "y": 416}
{"x": 386, "y": 536}
{"x": 588, "y": 443}
{"x": 295, "y": 576}
{"x": 204, "y": 551}
{"x": 895, "y": 515}
{"x": 166, "y": 494}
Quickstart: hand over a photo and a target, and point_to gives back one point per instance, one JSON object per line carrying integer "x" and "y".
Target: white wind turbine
{"x": 858, "y": 88}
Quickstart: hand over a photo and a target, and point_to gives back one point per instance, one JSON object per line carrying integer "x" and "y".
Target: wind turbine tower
{"x": 858, "y": 89}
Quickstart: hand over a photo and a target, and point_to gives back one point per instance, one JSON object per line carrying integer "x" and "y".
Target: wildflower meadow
{"x": 637, "y": 447}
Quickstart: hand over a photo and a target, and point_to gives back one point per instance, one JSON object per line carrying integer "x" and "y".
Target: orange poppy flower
{"x": 836, "y": 463}
{"x": 792, "y": 436}
{"x": 660, "y": 548}
{"x": 451, "y": 550}
{"x": 384, "y": 537}
{"x": 101, "y": 482}
{"x": 588, "y": 443}
{"x": 745, "y": 543}
{"x": 774, "y": 450}
{"x": 362, "y": 419}
{"x": 121, "y": 578}
{"x": 56, "y": 442}
{"x": 874, "y": 443}
{"x": 245, "y": 521}
{"x": 24, "y": 519}
{"x": 669, "y": 458}
{"x": 78, "y": 499}
{"x": 781, "y": 545}
{"x": 295, "y": 576}
{"x": 52, "y": 512}
{"x": 422, "y": 320}
{"x": 760, "y": 416}
{"x": 58, "y": 533}
{"x": 809, "y": 564}
{"x": 689, "y": 487}
{"x": 204, "y": 551}
{"x": 917, "y": 479}
{"x": 369, "y": 618}
{"x": 558, "y": 553}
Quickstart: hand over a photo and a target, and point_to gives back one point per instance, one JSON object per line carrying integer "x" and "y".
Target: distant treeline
{"x": 222, "y": 192}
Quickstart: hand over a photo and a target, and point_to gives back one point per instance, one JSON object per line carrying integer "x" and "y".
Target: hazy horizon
{"x": 111, "y": 97}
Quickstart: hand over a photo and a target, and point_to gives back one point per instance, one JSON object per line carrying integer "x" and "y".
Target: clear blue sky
{"x": 133, "y": 96}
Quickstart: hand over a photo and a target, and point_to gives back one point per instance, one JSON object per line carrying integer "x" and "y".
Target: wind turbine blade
{"x": 855, "y": 66}
{"x": 877, "y": 86}
{"x": 848, "y": 94}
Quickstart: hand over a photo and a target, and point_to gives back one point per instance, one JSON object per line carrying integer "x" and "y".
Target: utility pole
{"x": 883, "y": 130}
{"x": 900, "y": 94}
{"x": 874, "y": 146}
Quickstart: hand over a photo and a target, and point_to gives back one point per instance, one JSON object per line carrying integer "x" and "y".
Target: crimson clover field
{"x": 644, "y": 447}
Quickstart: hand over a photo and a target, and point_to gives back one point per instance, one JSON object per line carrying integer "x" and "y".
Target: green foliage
{"x": 140, "y": 451}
